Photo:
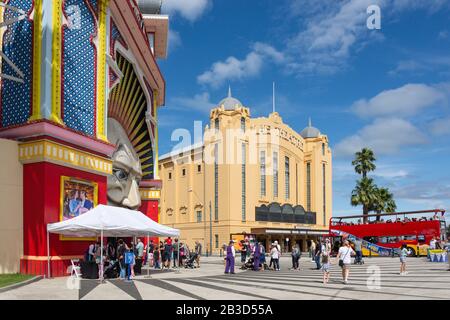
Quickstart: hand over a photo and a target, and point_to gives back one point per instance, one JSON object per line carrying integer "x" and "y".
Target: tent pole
{"x": 48, "y": 255}
{"x": 101, "y": 255}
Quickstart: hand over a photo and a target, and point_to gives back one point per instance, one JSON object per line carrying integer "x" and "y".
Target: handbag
{"x": 341, "y": 261}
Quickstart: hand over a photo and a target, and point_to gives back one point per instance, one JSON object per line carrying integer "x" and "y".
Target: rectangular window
{"x": 184, "y": 172}
{"x": 170, "y": 175}
{"x": 287, "y": 182}
{"x": 199, "y": 168}
{"x": 199, "y": 216}
{"x": 262, "y": 167}
{"x": 216, "y": 183}
{"x": 217, "y": 124}
{"x": 217, "y": 241}
{"x": 275, "y": 174}
{"x": 243, "y": 125}
{"x": 308, "y": 187}
{"x": 323, "y": 149}
{"x": 244, "y": 183}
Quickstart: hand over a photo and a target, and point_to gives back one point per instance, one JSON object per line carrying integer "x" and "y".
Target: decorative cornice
{"x": 51, "y": 129}
{"x": 149, "y": 194}
{"x": 49, "y": 151}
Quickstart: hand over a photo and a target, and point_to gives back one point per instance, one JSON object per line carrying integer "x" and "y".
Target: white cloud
{"x": 174, "y": 40}
{"x": 326, "y": 42}
{"x": 440, "y": 127}
{"x": 419, "y": 65}
{"x": 188, "y": 9}
{"x": 383, "y": 136}
{"x": 404, "y": 101}
{"x": 235, "y": 69}
{"x": 200, "y": 102}
{"x": 331, "y": 32}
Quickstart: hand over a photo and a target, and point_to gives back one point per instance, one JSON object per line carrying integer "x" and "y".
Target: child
{"x": 156, "y": 256}
{"x": 326, "y": 267}
{"x": 403, "y": 255}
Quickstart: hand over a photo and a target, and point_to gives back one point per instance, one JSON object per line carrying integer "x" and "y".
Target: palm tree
{"x": 364, "y": 162}
{"x": 384, "y": 202}
{"x": 364, "y": 194}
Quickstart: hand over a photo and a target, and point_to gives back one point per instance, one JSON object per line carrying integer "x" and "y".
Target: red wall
{"x": 42, "y": 206}
{"x": 150, "y": 209}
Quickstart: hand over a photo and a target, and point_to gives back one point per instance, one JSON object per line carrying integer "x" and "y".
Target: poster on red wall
{"x": 77, "y": 197}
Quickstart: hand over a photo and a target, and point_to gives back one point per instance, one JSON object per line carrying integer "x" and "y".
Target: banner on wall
{"x": 77, "y": 197}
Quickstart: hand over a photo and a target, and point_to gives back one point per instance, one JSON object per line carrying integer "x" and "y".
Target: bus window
{"x": 393, "y": 239}
{"x": 409, "y": 238}
{"x": 421, "y": 238}
{"x": 371, "y": 239}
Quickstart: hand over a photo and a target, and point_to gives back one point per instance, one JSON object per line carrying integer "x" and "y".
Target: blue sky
{"x": 386, "y": 89}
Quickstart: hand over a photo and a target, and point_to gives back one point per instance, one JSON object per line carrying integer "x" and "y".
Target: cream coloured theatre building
{"x": 253, "y": 177}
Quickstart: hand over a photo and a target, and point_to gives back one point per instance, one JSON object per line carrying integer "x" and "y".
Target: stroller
{"x": 248, "y": 265}
{"x": 189, "y": 263}
{"x": 359, "y": 259}
{"x": 112, "y": 270}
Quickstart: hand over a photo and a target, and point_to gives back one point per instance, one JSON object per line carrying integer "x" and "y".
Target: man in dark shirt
{"x": 168, "y": 253}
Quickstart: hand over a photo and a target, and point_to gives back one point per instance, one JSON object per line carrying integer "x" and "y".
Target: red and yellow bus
{"x": 390, "y": 230}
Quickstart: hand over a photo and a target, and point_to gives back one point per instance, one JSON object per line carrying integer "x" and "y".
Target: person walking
{"x": 229, "y": 267}
{"x": 256, "y": 255}
{"x": 198, "y": 252}
{"x": 326, "y": 264}
{"x": 139, "y": 256}
{"x": 295, "y": 257}
{"x": 156, "y": 257}
{"x": 168, "y": 252}
{"x": 275, "y": 254}
{"x": 243, "y": 251}
{"x": 345, "y": 259}
{"x": 176, "y": 254}
{"x": 358, "y": 250}
{"x": 121, "y": 249}
{"x": 318, "y": 254}
{"x": 403, "y": 255}
{"x": 312, "y": 250}
{"x": 262, "y": 258}
{"x": 150, "y": 251}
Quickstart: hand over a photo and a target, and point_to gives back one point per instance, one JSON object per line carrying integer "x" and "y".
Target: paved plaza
{"x": 425, "y": 280}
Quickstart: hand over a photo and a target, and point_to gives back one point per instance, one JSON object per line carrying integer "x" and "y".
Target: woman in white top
{"x": 345, "y": 259}
{"x": 275, "y": 255}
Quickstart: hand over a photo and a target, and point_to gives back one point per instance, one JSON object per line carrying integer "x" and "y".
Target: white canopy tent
{"x": 108, "y": 221}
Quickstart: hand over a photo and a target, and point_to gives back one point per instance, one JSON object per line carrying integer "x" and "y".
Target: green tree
{"x": 383, "y": 201}
{"x": 364, "y": 162}
{"x": 364, "y": 194}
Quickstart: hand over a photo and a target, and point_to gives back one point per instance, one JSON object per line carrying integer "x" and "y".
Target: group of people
{"x": 126, "y": 260}
{"x": 172, "y": 254}
{"x": 320, "y": 254}
{"x": 253, "y": 256}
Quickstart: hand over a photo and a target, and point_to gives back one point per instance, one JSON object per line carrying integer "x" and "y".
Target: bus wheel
{"x": 411, "y": 252}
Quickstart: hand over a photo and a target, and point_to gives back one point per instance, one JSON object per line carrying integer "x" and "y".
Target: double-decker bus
{"x": 390, "y": 230}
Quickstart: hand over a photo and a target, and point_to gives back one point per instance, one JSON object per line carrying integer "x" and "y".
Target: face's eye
{"x": 120, "y": 174}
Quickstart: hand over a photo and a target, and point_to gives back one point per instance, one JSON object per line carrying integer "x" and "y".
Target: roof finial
{"x": 229, "y": 91}
{"x": 310, "y": 122}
